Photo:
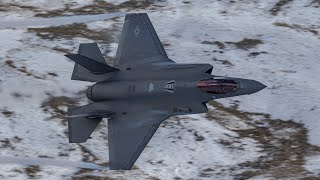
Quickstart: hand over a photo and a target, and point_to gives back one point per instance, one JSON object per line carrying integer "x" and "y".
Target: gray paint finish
{"x": 143, "y": 89}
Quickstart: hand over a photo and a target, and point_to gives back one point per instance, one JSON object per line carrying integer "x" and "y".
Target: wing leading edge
{"x": 139, "y": 43}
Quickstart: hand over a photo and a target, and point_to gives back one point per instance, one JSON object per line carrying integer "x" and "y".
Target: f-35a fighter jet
{"x": 142, "y": 89}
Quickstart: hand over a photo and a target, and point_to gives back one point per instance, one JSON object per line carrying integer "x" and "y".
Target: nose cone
{"x": 251, "y": 86}
{"x": 245, "y": 87}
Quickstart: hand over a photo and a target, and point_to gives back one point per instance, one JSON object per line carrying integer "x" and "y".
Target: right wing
{"x": 139, "y": 43}
{"x": 129, "y": 134}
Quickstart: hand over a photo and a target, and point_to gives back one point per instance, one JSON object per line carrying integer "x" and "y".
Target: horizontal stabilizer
{"x": 83, "y": 120}
{"x": 80, "y": 128}
{"x": 90, "y": 64}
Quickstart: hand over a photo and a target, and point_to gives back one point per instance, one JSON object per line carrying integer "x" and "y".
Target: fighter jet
{"x": 143, "y": 88}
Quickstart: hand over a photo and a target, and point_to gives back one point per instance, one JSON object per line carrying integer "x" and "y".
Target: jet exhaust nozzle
{"x": 89, "y": 93}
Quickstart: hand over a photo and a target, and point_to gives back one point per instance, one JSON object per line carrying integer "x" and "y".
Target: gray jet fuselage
{"x": 171, "y": 85}
{"x": 130, "y": 84}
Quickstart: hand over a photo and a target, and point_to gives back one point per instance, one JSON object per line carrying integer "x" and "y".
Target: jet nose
{"x": 251, "y": 86}
{"x": 257, "y": 86}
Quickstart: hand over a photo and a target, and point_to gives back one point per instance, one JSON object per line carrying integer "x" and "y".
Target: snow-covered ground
{"x": 272, "y": 134}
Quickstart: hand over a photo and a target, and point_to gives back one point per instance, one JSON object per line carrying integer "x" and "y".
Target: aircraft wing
{"x": 129, "y": 134}
{"x": 139, "y": 43}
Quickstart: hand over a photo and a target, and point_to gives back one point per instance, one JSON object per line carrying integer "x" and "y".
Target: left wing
{"x": 139, "y": 43}
{"x": 129, "y": 134}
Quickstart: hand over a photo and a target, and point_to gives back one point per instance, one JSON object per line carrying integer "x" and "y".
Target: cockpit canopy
{"x": 218, "y": 86}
